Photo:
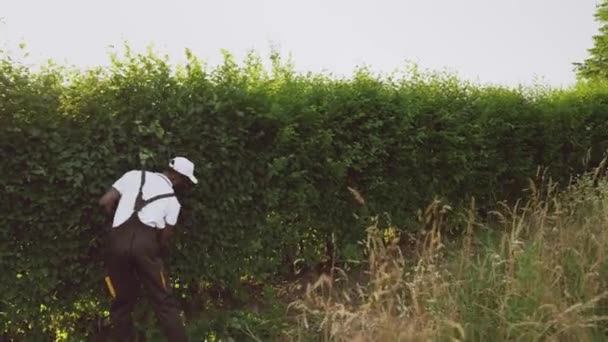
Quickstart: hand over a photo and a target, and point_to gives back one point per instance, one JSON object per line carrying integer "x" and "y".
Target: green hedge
{"x": 275, "y": 152}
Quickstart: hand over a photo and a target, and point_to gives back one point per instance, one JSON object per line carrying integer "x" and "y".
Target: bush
{"x": 275, "y": 152}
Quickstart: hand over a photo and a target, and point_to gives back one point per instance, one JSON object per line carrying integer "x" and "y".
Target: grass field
{"x": 537, "y": 271}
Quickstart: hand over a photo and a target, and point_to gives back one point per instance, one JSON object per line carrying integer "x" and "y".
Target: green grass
{"x": 537, "y": 274}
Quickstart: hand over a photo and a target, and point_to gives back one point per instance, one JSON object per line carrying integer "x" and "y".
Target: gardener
{"x": 145, "y": 212}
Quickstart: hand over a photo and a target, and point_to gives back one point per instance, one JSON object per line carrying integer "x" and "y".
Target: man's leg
{"x": 153, "y": 277}
{"x": 123, "y": 285}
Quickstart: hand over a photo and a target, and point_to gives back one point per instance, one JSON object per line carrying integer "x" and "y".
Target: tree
{"x": 596, "y": 66}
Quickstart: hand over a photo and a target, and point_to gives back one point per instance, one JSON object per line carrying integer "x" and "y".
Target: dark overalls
{"x": 134, "y": 257}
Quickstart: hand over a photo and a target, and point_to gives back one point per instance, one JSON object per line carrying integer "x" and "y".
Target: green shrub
{"x": 275, "y": 152}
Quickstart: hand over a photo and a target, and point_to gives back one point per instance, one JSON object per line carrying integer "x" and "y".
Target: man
{"x": 145, "y": 212}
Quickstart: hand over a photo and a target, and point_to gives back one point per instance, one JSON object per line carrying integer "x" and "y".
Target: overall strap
{"x": 158, "y": 197}
{"x": 139, "y": 200}
{"x": 140, "y": 203}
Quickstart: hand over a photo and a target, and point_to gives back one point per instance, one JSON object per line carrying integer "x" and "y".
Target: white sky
{"x": 507, "y": 42}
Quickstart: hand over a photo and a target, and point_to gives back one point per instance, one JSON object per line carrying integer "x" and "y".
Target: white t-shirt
{"x": 156, "y": 214}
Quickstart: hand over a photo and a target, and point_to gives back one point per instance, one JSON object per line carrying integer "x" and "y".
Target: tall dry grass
{"x": 539, "y": 272}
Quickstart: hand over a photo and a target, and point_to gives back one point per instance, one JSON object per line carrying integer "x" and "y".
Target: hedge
{"x": 275, "y": 152}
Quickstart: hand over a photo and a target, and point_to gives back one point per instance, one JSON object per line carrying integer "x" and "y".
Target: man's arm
{"x": 109, "y": 201}
{"x": 170, "y": 222}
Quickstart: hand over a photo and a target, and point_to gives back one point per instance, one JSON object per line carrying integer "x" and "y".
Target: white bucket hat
{"x": 184, "y": 167}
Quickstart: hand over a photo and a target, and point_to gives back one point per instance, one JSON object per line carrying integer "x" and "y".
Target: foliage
{"x": 275, "y": 152}
{"x": 596, "y": 66}
{"x": 540, "y": 274}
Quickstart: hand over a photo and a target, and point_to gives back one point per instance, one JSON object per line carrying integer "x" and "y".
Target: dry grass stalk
{"x": 544, "y": 279}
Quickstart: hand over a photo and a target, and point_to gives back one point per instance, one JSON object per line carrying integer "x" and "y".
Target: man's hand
{"x": 109, "y": 201}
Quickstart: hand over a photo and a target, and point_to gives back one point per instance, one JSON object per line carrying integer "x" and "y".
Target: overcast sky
{"x": 507, "y": 42}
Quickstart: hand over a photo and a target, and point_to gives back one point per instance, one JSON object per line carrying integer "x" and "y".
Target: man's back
{"x": 158, "y": 213}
